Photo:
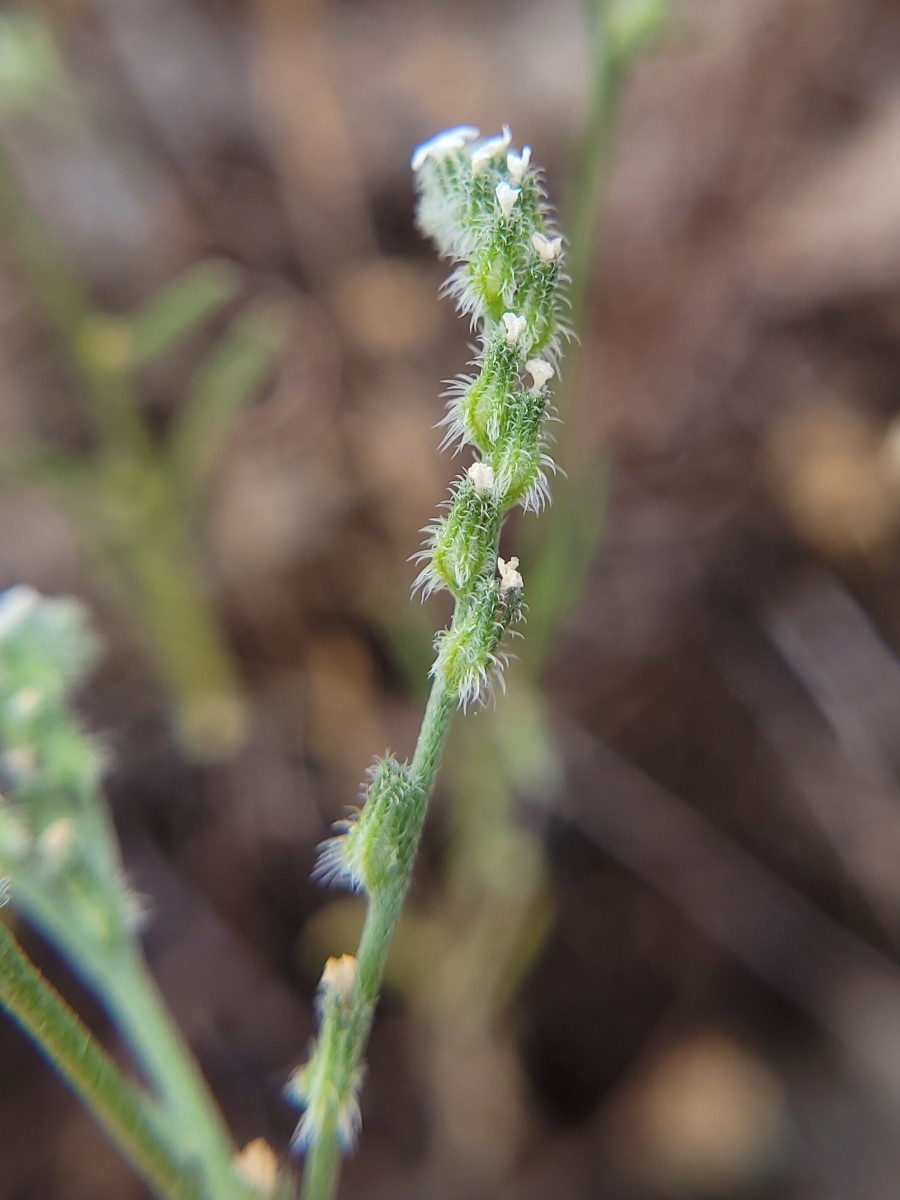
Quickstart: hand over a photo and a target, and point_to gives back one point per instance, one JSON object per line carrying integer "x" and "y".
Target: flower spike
{"x": 482, "y": 204}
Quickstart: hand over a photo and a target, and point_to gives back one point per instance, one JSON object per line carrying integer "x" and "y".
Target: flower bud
{"x": 365, "y": 854}
{"x": 507, "y": 197}
{"x": 482, "y": 476}
{"x": 327, "y": 1087}
{"x": 469, "y": 651}
{"x": 461, "y": 544}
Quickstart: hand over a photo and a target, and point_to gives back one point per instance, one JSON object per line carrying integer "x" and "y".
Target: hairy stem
{"x": 322, "y": 1170}
{"x": 483, "y": 206}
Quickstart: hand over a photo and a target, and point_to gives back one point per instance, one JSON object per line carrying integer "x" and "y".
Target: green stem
{"x": 322, "y": 1169}
{"x": 184, "y": 1101}
{"x": 183, "y": 1109}
{"x": 593, "y": 159}
{"x": 84, "y": 1064}
{"x": 386, "y": 906}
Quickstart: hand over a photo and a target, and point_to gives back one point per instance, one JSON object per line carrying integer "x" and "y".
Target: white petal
{"x": 506, "y": 197}
{"x": 515, "y": 326}
{"x": 482, "y": 476}
{"x": 540, "y": 371}
{"x": 486, "y": 151}
{"x": 443, "y": 144}
{"x": 517, "y": 164}
{"x": 510, "y": 579}
{"x": 548, "y": 249}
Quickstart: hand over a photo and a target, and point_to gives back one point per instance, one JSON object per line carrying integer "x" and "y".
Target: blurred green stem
{"x": 116, "y": 1103}
{"x": 591, "y": 172}
{"x": 134, "y": 507}
{"x": 185, "y": 1107}
{"x": 179, "y": 1107}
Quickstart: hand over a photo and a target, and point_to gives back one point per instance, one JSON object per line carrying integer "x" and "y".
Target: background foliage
{"x": 657, "y": 954}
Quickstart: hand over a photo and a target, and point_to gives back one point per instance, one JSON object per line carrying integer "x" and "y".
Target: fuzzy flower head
{"x": 498, "y": 227}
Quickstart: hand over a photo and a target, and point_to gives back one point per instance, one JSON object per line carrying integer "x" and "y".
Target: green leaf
{"x": 177, "y": 309}
{"x": 224, "y": 386}
{"x": 634, "y": 25}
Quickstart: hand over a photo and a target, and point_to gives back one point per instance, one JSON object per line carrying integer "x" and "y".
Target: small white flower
{"x": 510, "y": 579}
{"x": 517, "y": 164}
{"x": 506, "y": 197}
{"x": 540, "y": 371}
{"x": 487, "y": 151}
{"x": 482, "y": 476}
{"x": 515, "y": 326}
{"x": 548, "y": 249}
{"x": 443, "y": 144}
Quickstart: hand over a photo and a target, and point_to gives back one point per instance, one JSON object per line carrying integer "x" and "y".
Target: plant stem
{"x": 322, "y": 1169}
{"x": 115, "y": 1102}
{"x": 594, "y": 156}
{"x": 385, "y": 907}
{"x": 185, "y": 1105}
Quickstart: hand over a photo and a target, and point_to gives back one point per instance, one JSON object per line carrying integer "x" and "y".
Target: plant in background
{"x": 61, "y": 869}
{"x": 136, "y": 498}
{"x": 482, "y": 203}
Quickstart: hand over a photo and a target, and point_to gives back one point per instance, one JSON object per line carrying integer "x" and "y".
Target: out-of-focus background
{"x": 653, "y": 949}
